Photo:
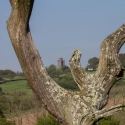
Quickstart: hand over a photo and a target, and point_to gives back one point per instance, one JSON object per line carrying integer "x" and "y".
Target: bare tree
{"x": 71, "y": 108}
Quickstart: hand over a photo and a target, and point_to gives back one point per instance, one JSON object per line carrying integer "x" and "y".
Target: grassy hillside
{"x": 13, "y": 86}
{"x": 64, "y": 79}
{"x": 24, "y": 102}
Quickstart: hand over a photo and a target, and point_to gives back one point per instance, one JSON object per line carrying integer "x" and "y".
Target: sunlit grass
{"x": 14, "y": 86}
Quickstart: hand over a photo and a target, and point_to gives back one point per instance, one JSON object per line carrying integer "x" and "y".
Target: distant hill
{"x": 7, "y": 73}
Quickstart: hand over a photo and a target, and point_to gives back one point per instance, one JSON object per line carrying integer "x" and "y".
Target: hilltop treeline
{"x": 93, "y": 62}
{"x": 9, "y": 73}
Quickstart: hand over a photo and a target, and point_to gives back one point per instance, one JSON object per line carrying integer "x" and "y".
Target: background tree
{"x": 122, "y": 59}
{"x": 7, "y": 73}
{"x": 70, "y": 108}
{"x": 51, "y": 70}
{"x": 1, "y": 78}
{"x": 93, "y": 62}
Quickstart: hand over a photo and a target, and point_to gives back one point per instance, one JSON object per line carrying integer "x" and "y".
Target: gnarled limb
{"x": 78, "y": 73}
{"x": 110, "y": 70}
{"x": 50, "y": 94}
{"x": 70, "y": 108}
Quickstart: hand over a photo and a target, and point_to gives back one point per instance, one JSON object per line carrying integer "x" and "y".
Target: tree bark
{"x": 71, "y": 108}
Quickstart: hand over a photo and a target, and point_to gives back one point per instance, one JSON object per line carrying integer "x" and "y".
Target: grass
{"x": 19, "y": 77}
{"x": 11, "y": 87}
{"x": 21, "y": 85}
{"x": 90, "y": 72}
{"x": 62, "y": 75}
{"x": 16, "y": 77}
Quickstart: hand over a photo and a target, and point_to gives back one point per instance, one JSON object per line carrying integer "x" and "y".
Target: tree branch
{"x": 109, "y": 70}
{"x": 109, "y": 64}
{"x": 70, "y": 108}
{"x": 50, "y": 94}
{"x": 78, "y": 73}
{"x": 109, "y": 111}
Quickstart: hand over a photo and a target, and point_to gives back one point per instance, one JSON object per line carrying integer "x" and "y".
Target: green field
{"x": 21, "y": 85}
{"x": 11, "y": 87}
{"x": 19, "y": 94}
{"x": 90, "y": 72}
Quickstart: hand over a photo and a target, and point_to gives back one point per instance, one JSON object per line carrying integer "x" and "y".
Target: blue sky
{"x": 59, "y": 27}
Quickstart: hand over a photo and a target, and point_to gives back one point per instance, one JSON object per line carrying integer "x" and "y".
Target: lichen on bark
{"x": 71, "y": 108}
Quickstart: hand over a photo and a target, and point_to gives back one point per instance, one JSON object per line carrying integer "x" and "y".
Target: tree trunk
{"x": 71, "y": 108}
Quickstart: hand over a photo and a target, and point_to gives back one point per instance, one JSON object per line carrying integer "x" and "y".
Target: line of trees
{"x": 93, "y": 62}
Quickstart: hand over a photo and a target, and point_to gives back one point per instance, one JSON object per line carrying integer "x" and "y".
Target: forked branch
{"x": 109, "y": 64}
{"x": 70, "y": 108}
{"x": 109, "y": 70}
